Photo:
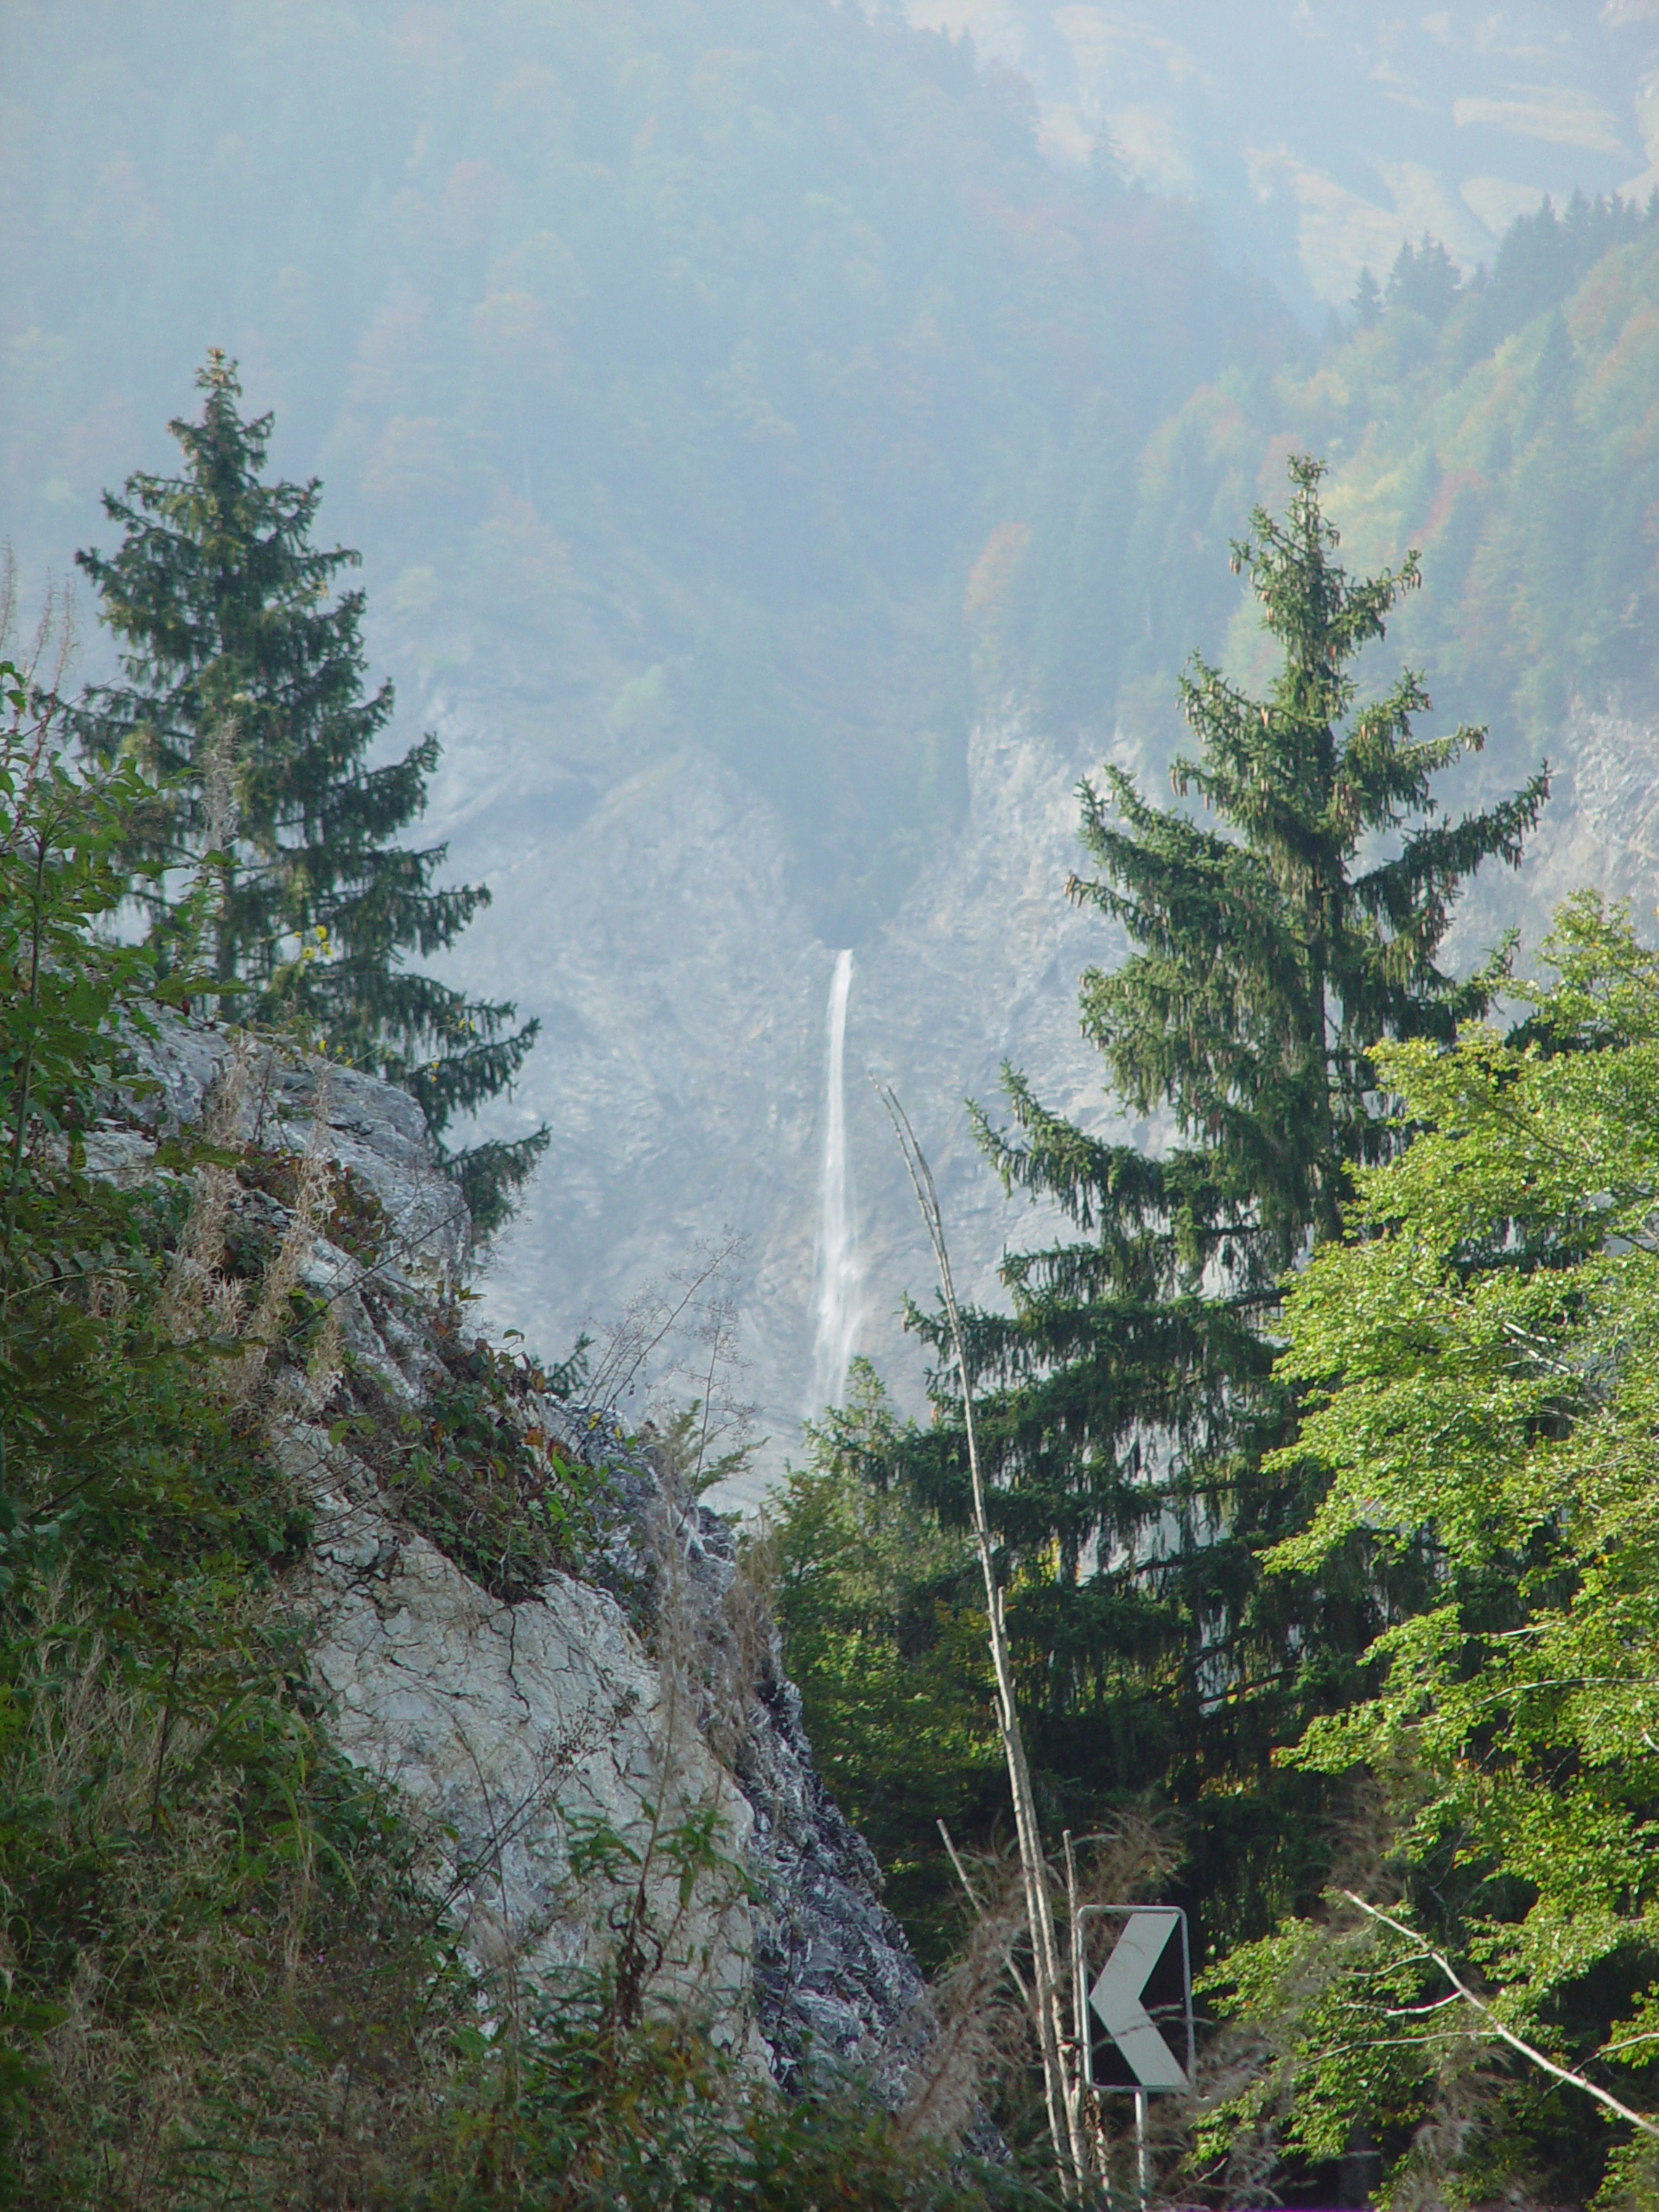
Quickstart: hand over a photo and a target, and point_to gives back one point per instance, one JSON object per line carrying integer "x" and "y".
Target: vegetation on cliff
{"x": 230, "y": 1969}
{"x": 244, "y": 704}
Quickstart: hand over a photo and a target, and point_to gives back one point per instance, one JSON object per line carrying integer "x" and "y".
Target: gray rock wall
{"x": 684, "y": 996}
{"x": 571, "y": 1751}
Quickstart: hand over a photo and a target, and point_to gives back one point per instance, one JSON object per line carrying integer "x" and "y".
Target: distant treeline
{"x": 1504, "y": 424}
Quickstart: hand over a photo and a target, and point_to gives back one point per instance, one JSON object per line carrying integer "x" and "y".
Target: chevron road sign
{"x": 1141, "y": 2007}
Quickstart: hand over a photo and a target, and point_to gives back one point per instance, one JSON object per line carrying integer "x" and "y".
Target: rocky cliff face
{"x": 684, "y": 996}
{"x": 576, "y": 1740}
{"x": 557, "y": 1742}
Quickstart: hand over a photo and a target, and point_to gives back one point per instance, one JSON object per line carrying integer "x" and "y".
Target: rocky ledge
{"x": 833, "y": 1981}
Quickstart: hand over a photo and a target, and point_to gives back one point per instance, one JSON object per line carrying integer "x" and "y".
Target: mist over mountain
{"x": 695, "y": 351}
{"x": 789, "y": 446}
{"x": 1319, "y": 135}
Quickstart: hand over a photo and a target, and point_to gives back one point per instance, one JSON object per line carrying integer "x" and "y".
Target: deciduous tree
{"x": 1478, "y": 1363}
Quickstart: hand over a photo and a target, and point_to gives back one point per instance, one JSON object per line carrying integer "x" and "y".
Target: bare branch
{"x": 1061, "y": 2084}
{"x": 1507, "y": 2035}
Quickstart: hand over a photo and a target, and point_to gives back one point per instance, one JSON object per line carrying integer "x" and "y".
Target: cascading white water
{"x": 838, "y": 1310}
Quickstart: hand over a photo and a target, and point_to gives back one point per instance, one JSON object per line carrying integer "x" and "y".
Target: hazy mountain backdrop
{"x": 1318, "y": 134}
{"x": 788, "y": 445}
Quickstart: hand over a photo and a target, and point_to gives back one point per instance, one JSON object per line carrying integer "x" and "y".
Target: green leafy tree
{"x": 1128, "y": 1396}
{"x": 245, "y": 704}
{"x": 1479, "y": 1366}
{"x": 68, "y": 995}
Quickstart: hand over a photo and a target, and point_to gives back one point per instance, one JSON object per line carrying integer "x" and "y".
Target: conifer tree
{"x": 244, "y": 684}
{"x": 1427, "y": 283}
{"x": 1128, "y": 1397}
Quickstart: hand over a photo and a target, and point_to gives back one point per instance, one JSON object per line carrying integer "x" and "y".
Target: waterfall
{"x": 838, "y": 1312}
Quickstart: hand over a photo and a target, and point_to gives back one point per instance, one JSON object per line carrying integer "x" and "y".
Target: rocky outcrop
{"x": 539, "y": 1742}
{"x": 833, "y": 1983}
{"x": 522, "y": 1730}
{"x": 834, "y": 1978}
{"x": 1601, "y": 825}
{"x": 600, "y": 1737}
{"x": 368, "y": 1131}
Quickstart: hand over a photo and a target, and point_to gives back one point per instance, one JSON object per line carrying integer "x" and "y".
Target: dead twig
{"x": 1061, "y": 2086}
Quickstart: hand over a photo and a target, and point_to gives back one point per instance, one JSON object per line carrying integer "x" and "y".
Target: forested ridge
{"x": 698, "y": 350}
{"x": 561, "y": 300}
{"x": 1502, "y": 424}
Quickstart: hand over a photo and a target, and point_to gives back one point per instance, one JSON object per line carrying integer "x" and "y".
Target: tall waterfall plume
{"x": 838, "y": 1308}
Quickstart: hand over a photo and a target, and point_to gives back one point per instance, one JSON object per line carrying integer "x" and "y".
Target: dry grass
{"x": 979, "y": 2045}
{"x": 199, "y": 1299}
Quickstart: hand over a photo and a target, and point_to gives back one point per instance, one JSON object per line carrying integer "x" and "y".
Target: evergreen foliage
{"x": 244, "y": 703}
{"x": 1424, "y": 282}
{"x": 883, "y": 1616}
{"x": 1127, "y": 1398}
{"x": 1542, "y": 258}
{"x": 1478, "y": 1361}
{"x": 1512, "y": 438}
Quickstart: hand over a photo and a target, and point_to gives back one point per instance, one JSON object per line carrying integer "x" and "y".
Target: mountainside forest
{"x": 695, "y": 351}
{"x": 1502, "y": 424}
{"x": 629, "y": 567}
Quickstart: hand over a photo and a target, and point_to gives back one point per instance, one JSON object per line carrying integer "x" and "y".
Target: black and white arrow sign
{"x": 1142, "y": 2005}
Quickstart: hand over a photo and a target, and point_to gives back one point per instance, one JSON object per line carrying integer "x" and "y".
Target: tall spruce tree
{"x": 1126, "y": 1400}
{"x": 245, "y": 701}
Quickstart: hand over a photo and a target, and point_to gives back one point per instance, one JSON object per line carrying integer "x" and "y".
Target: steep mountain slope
{"x": 679, "y": 356}
{"x": 1321, "y": 135}
{"x": 1506, "y": 427}
{"x": 684, "y": 1069}
{"x": 1515, "y": 440}
{"x": 777, "y": 482}
{"x": 682, "y": 370}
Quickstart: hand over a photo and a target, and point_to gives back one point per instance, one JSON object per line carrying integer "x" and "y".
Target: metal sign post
{"x": 1138, "y": 2034}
